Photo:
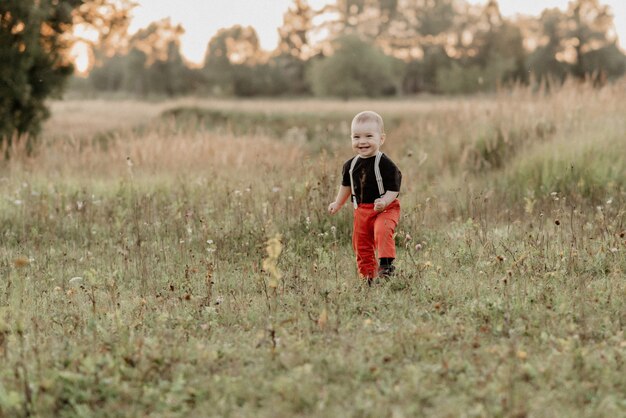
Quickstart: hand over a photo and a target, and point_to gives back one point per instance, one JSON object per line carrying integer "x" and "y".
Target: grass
{"x": 137, "y": 278}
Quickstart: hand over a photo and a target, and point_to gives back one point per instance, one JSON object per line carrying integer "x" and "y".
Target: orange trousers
{"x": 372, "y": 236}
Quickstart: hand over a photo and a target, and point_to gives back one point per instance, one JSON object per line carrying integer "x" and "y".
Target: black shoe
{"x": 386, "y": 272}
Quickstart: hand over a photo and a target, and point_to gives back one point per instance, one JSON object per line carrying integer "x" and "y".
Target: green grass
{"x": 140, "y": 290}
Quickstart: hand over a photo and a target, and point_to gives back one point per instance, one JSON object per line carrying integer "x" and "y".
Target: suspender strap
{"x": 353, "y": 196}
{"x": 379, "y": 177}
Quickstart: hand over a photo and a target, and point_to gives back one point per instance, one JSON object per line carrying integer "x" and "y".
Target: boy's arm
{"x": 382, "y": 202}
{"x": 342, "y": 196}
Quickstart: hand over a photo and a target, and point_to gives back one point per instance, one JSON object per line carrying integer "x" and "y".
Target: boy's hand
{"x": 333, "y": 208}
{"x": 379, "y": 205}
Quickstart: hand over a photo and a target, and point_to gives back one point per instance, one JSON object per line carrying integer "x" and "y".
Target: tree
{"x": 102, "y": 25}
{"x": 499, "y": 48}
{"x": 543, "y": 62}
{"x": 153, "y": 64}
{"x": 485, "y": 50}
{"x": 589, "y": 24}
{"x": 135, "y": 80}
{"x": 158, "y": 65}
{"x": 356, "y": 69}
{"x": 421, "y": 74}
{"x": 577, "y": 42}
{"x": 33, "y": 52}
{"x": 423, "y": 25}
{"x": 294, "y": 32}
{"x": 294, "y": 49}
{"x": 109, "y": 75}
{"x": 230, "y": 47}
{"x": 170, "y": 76}
{"x": 379, "y": 22}
{"x": 605, "y": 63}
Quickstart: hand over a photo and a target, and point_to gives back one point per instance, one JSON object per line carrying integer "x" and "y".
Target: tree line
{"x": 374, "y": 48}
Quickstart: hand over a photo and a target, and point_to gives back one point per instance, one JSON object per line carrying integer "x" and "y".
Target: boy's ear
{"x": 382, "y": 138}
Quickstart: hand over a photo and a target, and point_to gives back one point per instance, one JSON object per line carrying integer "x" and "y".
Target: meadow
{"x": 175, "y": 258}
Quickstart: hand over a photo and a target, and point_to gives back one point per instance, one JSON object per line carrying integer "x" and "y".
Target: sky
{"x": 203, "y": 18}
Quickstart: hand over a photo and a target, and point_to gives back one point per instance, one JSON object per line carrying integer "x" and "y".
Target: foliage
{"x": 355, "y": 69}
{"x": 444, "y": 46}
{"x": 588, "y": 25}
{"x": 152, "y": 65}
{"x": 109, "y": 20}
{"x": 606, "y": 63}
{"x": 474, "y": 78}
{"x": 422, "y": 75}
{"x": 228, "y": 48}
{"x": 34, "y": 64}
{"x": 295, "y": 31}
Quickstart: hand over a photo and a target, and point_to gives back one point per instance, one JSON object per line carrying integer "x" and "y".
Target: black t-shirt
{"x": 365, "y": 186}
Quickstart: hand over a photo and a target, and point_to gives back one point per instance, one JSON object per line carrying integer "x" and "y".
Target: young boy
{"x": 372, "y": 180}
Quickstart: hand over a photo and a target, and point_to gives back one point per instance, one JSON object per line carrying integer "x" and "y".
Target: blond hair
{"x": 369, "y": 116}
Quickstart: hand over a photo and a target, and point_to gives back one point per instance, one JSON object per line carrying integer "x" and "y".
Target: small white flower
{"x": 237, "y": 192}
{"x": 209, "y": 241}
{"x": 18, "y": 202}
{"x": 608, "y": 202}
{"x": 613, "y": 250}
{"x": 275, "y": 189}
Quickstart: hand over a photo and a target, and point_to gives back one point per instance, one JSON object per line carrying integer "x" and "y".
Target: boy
{"x": 372, "y": 180}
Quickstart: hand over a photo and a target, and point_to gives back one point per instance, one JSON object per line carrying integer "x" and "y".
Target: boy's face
{"x": 366, "y": 138}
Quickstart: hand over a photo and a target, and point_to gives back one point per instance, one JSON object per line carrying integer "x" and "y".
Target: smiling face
{"x": 366, "y": 138}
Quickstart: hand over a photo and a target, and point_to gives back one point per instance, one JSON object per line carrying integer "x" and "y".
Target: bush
{"x": 590, "y": 173}
{"x": 356, "y": 69}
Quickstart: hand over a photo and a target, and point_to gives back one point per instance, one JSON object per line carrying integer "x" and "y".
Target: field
{"x": 176, "y": 259}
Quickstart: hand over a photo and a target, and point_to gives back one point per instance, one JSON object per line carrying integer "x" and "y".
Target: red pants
{"x": 373, "y": 233}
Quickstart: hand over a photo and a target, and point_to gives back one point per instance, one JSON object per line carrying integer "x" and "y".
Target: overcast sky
{"x": 202, "y": 19}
